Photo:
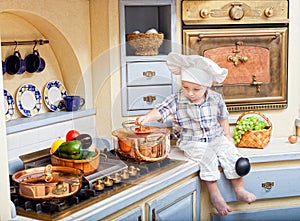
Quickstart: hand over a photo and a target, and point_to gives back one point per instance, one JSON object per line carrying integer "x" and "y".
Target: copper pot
{"x": 50, "y": 182}
{"x": 151, "y": 146}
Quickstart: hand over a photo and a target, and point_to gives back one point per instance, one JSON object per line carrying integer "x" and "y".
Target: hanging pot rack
{"x": 34, "y": 42}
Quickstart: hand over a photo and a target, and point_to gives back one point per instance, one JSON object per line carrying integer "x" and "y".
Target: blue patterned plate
{"x": 29, "y": 100}
{"x": 9, "y": 103}
{"x": 54, "y": 92}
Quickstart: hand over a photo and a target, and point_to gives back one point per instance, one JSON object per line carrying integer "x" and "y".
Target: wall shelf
{"x": 22, "y": 124}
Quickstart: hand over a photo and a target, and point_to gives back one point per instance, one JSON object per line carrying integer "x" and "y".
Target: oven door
{"x": 256, "y": 59}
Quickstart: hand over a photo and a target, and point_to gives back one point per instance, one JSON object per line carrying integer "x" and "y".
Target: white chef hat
{"x": 196, "y": 69}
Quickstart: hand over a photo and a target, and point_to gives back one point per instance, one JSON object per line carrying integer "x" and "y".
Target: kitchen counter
{"x": 138, "y": 192}
{"x": 277, "y": 150}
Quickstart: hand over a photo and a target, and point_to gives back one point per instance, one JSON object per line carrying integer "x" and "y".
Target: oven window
{"x": 256, "y": 59}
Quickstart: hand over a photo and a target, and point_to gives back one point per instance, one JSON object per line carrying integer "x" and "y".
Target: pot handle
{"x": 48, "y": 173}
{"x": 150, "y": 159}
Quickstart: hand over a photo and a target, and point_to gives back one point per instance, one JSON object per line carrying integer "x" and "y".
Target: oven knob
{"x": 117, "y": 178}
{"x": 99, "y": 185}
{"x": 204, "y": 13}
{"x": 269, "y": 12}
{"x": 108, "y": 181}
{"x": 236, "y": 12}
{"x": 133, "y": 171}
{"x": 125, "y": 174}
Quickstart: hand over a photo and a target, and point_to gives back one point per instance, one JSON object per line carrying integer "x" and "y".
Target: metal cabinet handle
{"x": 154, "y": 215}
{"x": 150, "y": 98}
{"x": 267, "y": 185}
{"x": 149, "y": 73}
{"x": 256, "y": 83}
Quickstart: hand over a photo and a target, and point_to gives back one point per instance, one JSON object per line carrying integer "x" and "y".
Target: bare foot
{"x": 244, "y": 195}
{"x": 219, "y": 203}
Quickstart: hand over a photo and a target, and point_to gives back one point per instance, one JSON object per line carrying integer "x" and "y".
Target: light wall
{"x": 283, "y": 121}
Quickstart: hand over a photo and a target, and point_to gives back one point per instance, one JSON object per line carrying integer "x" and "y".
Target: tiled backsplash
{"x": 38, "y": 138}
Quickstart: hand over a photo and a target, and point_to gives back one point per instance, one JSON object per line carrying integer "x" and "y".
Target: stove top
{"x": 112, "y": 177}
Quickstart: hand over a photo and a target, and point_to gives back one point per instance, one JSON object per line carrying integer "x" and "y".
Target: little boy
{"x": 200, "y": 122}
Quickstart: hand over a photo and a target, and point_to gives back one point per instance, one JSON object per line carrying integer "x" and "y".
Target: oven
{"x": 250, "y": 39}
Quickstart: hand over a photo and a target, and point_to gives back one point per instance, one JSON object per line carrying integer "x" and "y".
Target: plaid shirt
{"x": 195, "y": 122}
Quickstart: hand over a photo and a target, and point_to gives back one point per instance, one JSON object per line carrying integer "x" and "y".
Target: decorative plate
{"x": 54, "y": 92}
{"x": 9, "y": 103}
{"x": 29, "y": 100}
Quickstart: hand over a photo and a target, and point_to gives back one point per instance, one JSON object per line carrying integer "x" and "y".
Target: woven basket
{"x": 256, "y": 139}
{"x": 145, "y": 44}
{"x": 88, "y": 166}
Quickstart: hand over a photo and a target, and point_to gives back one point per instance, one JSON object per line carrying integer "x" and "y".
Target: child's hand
{"x": 139, "y": 120}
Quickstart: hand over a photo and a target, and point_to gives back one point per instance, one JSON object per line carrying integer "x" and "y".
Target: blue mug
{"x": 73, "y": 103}
{"x": 34, "y": 63}
{"x": 3, "y": 67}
{"x": 15, "y": 64}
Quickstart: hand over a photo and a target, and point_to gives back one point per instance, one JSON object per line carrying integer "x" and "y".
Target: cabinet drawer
{"x": 148, "y": 73}
{"x": 266, "y": 183}
{"x": 275, "y": 214}
{"x": 141, "y": 98}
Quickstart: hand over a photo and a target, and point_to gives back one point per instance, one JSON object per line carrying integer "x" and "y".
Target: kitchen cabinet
{"x": 135, "y": 214}
{"x": 180, "y": 203}
{"x": 173, "y": 194}
{"x": 146, "y": 80}
{"x": 274, "y": 179}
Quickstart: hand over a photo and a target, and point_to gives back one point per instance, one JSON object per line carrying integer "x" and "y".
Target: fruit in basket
{"x": 71, "y": 135}
{"x": 85, "y": 139}
{"x": 55, "y": 145}
{"x": 250, "y": 123}
{"x": 70, "y": 150}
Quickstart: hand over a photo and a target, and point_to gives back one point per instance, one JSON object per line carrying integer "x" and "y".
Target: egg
{"x": 152, "y": 31}
{"x": 136, "y": 32}
{"x": 293, "y": 139}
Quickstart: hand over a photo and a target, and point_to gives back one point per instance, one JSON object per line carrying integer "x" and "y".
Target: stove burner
{"x": 57, "y": 209}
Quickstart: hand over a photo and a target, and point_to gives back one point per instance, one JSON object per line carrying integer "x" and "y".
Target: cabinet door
{"x": 181, "y": 203}
{"x": 133, "y": 215}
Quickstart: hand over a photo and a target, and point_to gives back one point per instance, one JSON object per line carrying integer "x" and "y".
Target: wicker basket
{"x": 256, "y": 139}
{"x": 88, "y": 166}
{"x": 145, "y": 44}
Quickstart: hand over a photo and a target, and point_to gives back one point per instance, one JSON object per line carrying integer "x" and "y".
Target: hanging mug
{"x": 15, "y": 64}
{"x": 3, "y": 67}
{"x": 34, "y": 63}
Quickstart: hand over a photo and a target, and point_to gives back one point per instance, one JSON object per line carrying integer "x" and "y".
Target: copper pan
{"x": 147, "y": 144}
{"x": 50, "y": 182}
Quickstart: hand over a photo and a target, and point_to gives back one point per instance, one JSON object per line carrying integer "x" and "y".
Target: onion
{"x": 293, "y": 138}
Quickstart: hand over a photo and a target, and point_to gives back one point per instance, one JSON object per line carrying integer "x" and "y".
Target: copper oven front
{"x": 253, "y": 49}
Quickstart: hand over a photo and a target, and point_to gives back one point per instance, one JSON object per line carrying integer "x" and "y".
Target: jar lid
{"x": 297, "y": 122}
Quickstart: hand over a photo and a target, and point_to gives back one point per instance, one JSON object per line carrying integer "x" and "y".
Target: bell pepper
{"x": 87, "y": 154}
{"x": 70, "y": 150}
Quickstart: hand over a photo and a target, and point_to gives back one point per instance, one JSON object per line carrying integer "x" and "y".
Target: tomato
{"x": 71, "y": 135}
{"x": 144, "y": 130}
{"x": 55, "y": 145}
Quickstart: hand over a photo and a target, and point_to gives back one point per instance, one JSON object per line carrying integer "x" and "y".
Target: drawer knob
{"x": 150, "y": 99}
{"x": 149, "y": 73}
{"x": 267, "y": 185}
